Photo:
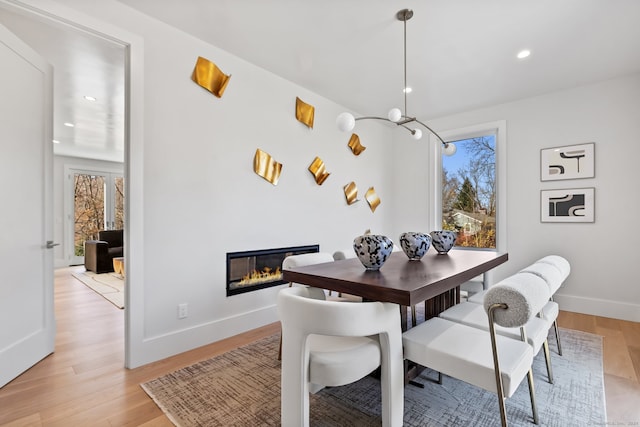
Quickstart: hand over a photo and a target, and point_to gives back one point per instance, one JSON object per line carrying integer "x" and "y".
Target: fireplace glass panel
{"x": 252, "y": 270}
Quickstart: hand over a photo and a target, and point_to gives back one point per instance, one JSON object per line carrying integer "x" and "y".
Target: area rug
{"x": 109, "y": 285}
{"x": 242, "y": 388}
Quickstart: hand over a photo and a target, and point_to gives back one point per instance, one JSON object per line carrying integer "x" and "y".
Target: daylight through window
{"x": 469, "y": 192}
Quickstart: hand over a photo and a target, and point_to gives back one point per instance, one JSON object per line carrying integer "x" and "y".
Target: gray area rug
{"x": 242, "y": 388}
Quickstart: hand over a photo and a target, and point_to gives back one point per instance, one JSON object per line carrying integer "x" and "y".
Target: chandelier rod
{"x": 406, "y": 15}
{"x": 346, "y": 121}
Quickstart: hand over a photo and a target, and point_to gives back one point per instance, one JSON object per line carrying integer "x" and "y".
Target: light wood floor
{"x": 84, "y": 383}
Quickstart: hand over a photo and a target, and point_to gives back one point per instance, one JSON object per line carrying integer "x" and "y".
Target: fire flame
{"x": 256, "y": 277}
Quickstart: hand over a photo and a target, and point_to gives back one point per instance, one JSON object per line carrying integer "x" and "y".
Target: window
{"x": 469, "y": 192}
{"x": 469, "y": 188}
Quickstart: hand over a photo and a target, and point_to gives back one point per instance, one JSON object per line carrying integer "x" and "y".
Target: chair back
{"x": 302, "y": 260}
{"x": 547, "y": 272}
{"x": 113, "y": 237}
{"x": 302, "y": 313}
{"x": 524, "y": 295}
{"x": 559, "y": 262}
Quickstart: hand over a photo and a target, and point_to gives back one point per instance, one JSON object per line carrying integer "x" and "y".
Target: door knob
{"x": 50, "y": 244}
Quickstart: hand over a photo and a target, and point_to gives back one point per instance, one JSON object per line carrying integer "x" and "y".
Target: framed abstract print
{"x": 568, "y": 162}
{"x": 568, "y": 205}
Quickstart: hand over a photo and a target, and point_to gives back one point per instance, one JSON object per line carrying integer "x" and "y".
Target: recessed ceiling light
{"x": 70, "y": 125}
{"x": 55, "y": 141}
{"x": 407, "y": 90}
{"x": 523, "y": 54}
{"x": 89, "y": 98}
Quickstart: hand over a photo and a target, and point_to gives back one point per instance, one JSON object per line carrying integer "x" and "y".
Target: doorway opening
{"x": 96, "y": 202}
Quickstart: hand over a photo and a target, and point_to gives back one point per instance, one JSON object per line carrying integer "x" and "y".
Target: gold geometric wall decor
{"x": 354, "y": 144}
{"x": 318, "y": 170}
{"x": 210, "y": 77}
{"x": 304, "y": 112}
{"x": 351, "y": 193}
{"x": 372, "y": 199}
{"x": 266, "y": 167}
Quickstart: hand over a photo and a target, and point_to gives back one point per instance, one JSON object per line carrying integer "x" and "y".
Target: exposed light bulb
{"x": 345, "y": 122}
{"x": 417, "y": 134}
{"x": 395, "y": 115}
{"x": 523, "y": 54}
{"x": 449, "y": 149}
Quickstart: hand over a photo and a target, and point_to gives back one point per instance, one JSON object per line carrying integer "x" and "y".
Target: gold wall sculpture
{"x": 265, "y": 166}
{"x": 318, "y": 170}
{"x": 351, "y": 193}
{"x": 210, "y": 77}
{"x": 304, "y": 112}
{"x": 354, "y": 144}
{"x": 372, "y": 199}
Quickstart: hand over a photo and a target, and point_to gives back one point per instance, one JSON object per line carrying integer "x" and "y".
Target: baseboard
{"x": 599, "y": 307}
{"x": 162, "y": 346}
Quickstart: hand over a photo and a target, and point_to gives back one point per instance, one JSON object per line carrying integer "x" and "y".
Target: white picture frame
{"x": 567, "y": 162}
{"x": 567, "y": 205}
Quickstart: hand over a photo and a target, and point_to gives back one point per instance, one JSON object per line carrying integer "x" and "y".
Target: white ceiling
{"x": 461, "y": 54}
{"x": 84, "y": 64}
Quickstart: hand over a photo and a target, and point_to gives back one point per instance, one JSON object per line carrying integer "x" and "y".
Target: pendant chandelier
{"x": 346, "y": 121}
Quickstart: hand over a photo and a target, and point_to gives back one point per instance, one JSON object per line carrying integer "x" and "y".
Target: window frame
{"x": 497, "y": 128}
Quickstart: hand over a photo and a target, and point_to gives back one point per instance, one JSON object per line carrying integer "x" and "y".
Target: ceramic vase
{"x": 415, "y": 244}
{"x": 443, "y": 240}
{"x": 372, "y": 250}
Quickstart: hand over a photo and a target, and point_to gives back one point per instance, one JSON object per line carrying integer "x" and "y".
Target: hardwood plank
{"x": 84, "y": 381}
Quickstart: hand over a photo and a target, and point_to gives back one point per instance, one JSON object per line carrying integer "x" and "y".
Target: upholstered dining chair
{"x": 554, "y": 269}
{"x": 537, "y": 328}
{"x": 483, "y": 358}
{"x": 329, "y": 343}
{"x": 302, "y": 260}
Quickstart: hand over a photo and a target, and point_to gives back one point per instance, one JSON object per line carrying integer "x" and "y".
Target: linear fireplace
{"x": 252, "y": 270}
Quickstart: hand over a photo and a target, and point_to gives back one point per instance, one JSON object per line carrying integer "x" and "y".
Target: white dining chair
{"x": 554, "y": 270}
{"x": 302, "y": 260}
{"x": 329, "y": 343}
{"x": 483, "y": 358}
{"x": 537, "y": 328}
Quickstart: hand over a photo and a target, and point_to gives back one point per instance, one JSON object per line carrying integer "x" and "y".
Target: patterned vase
{"x": 443, "y": 240}
{"x": 372, "y": 250}
{"x": 414, "y": 244}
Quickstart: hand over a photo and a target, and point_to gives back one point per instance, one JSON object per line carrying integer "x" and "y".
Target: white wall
{"x": 604, "y": 254}
{"x": 193, "y": 195}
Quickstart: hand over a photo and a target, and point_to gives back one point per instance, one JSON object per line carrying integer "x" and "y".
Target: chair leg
{"x": 555, "y": 327}
{"x": 532, "y": 396}
{"x": 547, "y": 358}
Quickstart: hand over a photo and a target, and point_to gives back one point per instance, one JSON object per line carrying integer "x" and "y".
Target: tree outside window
{"x": 469, "y": 192}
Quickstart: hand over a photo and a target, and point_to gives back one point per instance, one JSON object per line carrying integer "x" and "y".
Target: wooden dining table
{"x": 435, "y": 279}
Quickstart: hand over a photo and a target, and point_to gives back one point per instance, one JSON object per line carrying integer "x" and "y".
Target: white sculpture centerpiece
{"x": 372, "y": 250}
{"x": 415, "y": 244}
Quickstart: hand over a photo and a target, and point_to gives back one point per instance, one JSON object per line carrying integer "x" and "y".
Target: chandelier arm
{"x": 433, "y": 132}
{"x": 374, "y": 118}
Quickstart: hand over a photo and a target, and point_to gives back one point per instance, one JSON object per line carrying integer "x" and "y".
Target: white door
{"x": 27, "y": 322}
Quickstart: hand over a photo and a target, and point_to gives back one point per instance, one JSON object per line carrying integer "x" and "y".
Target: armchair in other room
{"x": 99, "y": 254}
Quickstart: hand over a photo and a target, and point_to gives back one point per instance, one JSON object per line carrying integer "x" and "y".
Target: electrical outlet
{"x": 183, "y": 310}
